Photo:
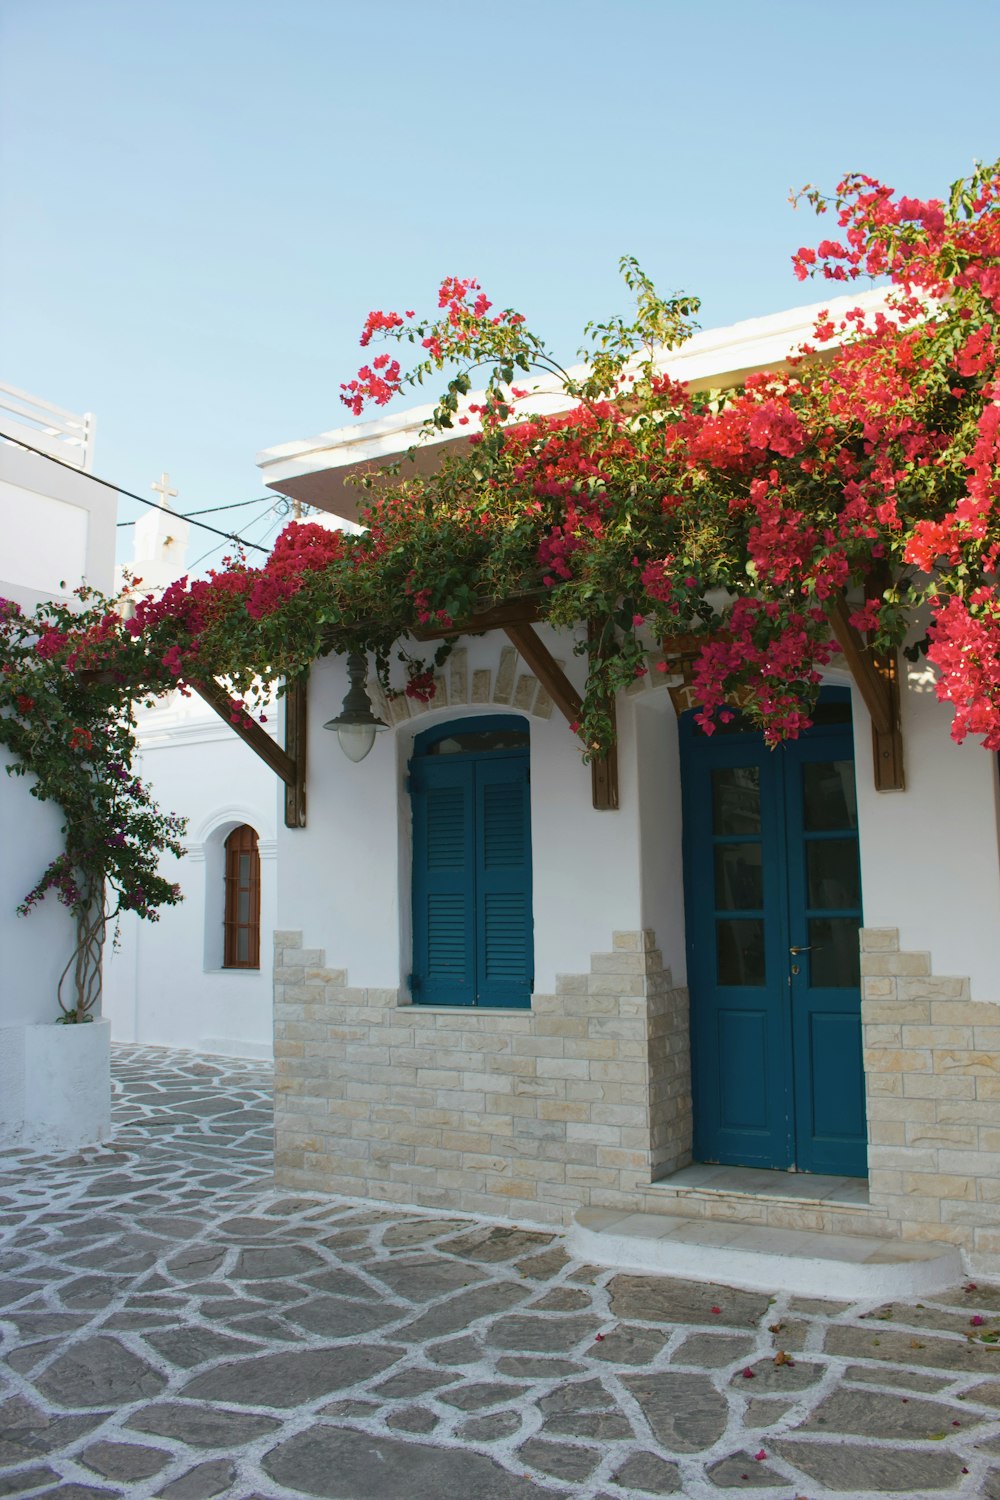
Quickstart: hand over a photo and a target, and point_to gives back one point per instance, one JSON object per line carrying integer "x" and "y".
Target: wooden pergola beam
{"x": 521, "y": 611}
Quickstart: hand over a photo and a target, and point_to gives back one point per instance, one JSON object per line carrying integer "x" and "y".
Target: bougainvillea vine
{"x": 639, "y": 514}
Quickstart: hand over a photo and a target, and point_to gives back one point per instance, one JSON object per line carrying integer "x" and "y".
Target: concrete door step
{"x": 851, "y": 1266}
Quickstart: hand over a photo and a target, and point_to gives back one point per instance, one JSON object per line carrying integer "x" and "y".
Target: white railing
{"x": 35, "y": 423}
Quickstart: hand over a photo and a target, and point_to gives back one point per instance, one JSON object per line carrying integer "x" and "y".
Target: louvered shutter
{"x": 504, "y": 937}
{"x": 443, "y": 883}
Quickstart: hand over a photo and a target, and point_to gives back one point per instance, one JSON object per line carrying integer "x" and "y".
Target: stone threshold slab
{"x": 800, "y": 1189}
{"x": 852, "y": 1267}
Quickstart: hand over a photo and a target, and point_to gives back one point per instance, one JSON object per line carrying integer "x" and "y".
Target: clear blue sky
{"x": 200, "y": 200}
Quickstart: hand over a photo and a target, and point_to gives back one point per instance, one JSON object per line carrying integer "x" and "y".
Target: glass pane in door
{"x": 835, "y": 960}
{"x": 740, "y": 951}
{"x": 829, "y": 797}
{"x": 739, "y": 877}
{"x": 736, "y": 799}
{"x": 833, "y": 874}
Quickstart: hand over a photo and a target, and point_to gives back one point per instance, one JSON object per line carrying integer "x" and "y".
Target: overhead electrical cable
{"x": 188, "y": 515}
{"x": 253, "y": 522}
{"x": 234, "y": 505}
{"x": 229, "y": 536}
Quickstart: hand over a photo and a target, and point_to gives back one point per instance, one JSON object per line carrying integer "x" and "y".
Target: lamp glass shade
{"x": 356, "y": 725}
{"x": 356, "y": 739}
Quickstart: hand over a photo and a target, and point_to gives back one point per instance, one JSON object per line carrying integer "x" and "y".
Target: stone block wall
{"x": 932, "y": 1067}
{"x": 585, "y": 1099}
{"x": 530, "y": 1115}
{"x": 457, "y": 687}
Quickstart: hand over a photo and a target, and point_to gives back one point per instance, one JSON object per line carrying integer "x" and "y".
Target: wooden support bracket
{"x": 887, "y": 748}
{"x": 604, "y": 769}
{"x": 604, "y": 778}
{"x": 548, "y": 671}
{"x": 516, "y": 617}
{"x": 877, "y": 677}
{"x": 296, "y": 740}
{"x": 288, "y": 763}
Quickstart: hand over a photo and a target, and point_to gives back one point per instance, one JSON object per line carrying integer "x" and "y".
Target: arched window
{"x": 242, "y": 917}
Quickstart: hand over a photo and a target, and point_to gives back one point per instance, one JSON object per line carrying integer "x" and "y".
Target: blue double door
{"x": 472, "y": 909}
{"x": 773, "y": 900}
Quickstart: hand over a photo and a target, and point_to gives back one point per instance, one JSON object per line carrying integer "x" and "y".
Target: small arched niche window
{"x": 242, "y": 915}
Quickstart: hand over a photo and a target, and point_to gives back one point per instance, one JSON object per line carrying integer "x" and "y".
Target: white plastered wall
{"x": 166, "y": 986}
{"x": 660, "y": 826}
{"x": 930, "y": 855}
{"x": 35, "y": 947}
{"x": 58, "y": 527}
{"x": 345, "y": 878}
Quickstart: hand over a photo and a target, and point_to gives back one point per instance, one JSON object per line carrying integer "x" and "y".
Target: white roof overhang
{"x": 320, "y": 471}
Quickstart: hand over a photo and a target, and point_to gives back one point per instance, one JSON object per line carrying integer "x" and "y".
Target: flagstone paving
{"x": 172, "y": 1326}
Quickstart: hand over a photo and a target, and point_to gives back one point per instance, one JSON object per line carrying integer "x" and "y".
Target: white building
{"x": 176, "y": 982}
{"x": 171, "y": 983}
{"x": 661, "y": 1007}
{"x": 58, "y": 526}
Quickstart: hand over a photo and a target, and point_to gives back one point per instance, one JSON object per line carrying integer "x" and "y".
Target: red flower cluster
{"x": 731, "y": 519}
{"x": 421, "y": 686}
{"x": 922, "y": 245}
{"x": 50, "y": 642}
{"x": 451, "y": 337}
{"x": 965, "y": 647}
{"x": 379, "y": 322}
{"x": 777, "y": 652}
{"x": 377, "y": 382}
{"x": 301, "y": 548}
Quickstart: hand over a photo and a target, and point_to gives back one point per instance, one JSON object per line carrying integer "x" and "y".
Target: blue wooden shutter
{"x": 444, "y": 971}
{"x": 504, "y": 936}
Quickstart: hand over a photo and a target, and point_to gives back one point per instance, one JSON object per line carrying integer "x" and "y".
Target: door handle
{"x": 807, "y": 949}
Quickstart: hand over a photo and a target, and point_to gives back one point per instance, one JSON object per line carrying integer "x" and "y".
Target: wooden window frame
{"x": 242, "y": 840}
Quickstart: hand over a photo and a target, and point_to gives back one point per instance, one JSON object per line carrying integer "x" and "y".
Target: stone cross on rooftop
{"x": 164, "y": 491}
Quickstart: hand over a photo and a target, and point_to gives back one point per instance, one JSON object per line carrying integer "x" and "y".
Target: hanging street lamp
{"x": 356, "y": 725}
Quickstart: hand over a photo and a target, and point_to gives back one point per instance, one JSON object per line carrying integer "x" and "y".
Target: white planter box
{"x": 55, "y": 1085}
